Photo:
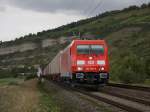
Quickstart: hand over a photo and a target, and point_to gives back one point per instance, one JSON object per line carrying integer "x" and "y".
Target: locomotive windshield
{"x": 90, "y": 49}
{"x": 83, "y": 49}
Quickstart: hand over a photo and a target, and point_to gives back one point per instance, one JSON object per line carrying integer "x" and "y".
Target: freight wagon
{"x": 82, "y": 62}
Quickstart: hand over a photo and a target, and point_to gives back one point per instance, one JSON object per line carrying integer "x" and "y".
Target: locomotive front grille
{"x": 103, "y": 75}
{"x": 79, "y": 75}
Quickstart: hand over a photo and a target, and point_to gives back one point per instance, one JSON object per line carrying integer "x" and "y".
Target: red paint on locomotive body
{"x": 82, "y": 61}
{"x": 90, "y": 60}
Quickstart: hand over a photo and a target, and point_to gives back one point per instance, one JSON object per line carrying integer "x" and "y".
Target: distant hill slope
{"x": 127, "y": 33}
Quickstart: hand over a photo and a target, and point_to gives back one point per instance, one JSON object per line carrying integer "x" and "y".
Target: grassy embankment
{"x": 127, "y": 33}
{"x": 17, "y": 95}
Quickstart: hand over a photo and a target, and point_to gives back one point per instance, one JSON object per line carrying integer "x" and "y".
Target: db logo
{"x": 90, "y": 62}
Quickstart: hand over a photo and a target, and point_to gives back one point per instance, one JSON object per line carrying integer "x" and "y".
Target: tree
{"x": 143, "y": 6}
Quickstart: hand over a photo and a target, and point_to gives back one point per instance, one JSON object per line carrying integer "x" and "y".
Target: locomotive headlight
{"x": 79, "y": 68}
{"x": 101, "y": 62}
{"x": 102, "y": 68}
{"x": 80, "y": 62}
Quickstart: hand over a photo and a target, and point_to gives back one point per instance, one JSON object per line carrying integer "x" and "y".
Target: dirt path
{"x": 20, "y": 98}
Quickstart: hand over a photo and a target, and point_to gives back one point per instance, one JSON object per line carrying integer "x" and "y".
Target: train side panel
{"x": 65, "y": 64}
{"x": 55, "y": 67}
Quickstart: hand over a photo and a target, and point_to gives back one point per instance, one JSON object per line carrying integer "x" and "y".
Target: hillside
{"x": 127, "y": 33}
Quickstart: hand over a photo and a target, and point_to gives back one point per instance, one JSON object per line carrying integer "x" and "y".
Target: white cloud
{"x": 16, "y": 22}
{"x": 2, "y": 9}
{"x": 20, "y": 17}
{"x": 77, "y": 6}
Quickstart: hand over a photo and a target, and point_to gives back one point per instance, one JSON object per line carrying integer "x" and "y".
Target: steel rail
{"x": 142, "y": 101}
{"x": 100, "y": 98}
{"x": 141, "y": 88}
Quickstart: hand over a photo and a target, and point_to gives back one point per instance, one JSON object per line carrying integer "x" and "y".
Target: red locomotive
{"x": 82, "y": 62}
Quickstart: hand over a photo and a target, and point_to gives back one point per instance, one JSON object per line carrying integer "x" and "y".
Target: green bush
{"x": 31, "y": 76}
{"x": 147, "y": 68}
{"x": 129, "y": 69}
{"x": 5, "y": 73}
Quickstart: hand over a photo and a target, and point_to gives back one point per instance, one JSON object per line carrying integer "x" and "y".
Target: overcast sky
{"x": 21, "y": 17}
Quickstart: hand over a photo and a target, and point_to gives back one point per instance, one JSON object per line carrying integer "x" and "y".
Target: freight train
{"x": 83, "y": 62}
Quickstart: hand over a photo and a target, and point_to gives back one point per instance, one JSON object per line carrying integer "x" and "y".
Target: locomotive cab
{"x": 91, "y": 63}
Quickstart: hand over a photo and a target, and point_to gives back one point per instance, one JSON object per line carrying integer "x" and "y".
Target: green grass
{"x": 47, "y": 101}
{"x": 147, "y": 82}
{"x": 11, "y": 81}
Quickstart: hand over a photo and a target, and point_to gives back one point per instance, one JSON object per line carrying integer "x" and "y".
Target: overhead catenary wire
{"x": 90, "y": 5}
{"x": 85, "y": 12}
{"x": 95, "y": 8}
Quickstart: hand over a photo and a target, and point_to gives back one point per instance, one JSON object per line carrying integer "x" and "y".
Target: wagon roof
{"x": 89, "y": 42}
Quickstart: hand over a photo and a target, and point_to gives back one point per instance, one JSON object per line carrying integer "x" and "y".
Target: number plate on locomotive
{"x": 90, "y": 62}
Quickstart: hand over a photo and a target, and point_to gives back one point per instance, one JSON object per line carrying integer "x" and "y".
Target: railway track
{"x": 139, "y": 100}
{"x": 124, "y": 104}
{"x": 141, "y": 88}
{"x": 120, "y": 101}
